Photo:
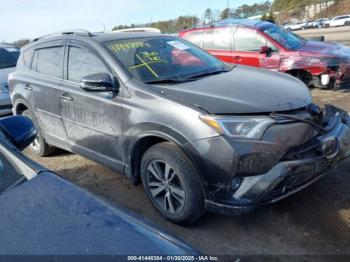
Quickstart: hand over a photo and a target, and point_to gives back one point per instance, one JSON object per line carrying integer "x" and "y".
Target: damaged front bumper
{"x": 288, "y": 176}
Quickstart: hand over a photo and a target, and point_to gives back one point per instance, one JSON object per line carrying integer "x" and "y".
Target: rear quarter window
{"x": 28, "y": 57}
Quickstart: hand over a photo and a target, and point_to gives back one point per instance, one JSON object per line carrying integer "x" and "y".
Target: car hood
{"x": 4, "y": 72}
{"x": 325, "y": 49}
{"x": 244, "y": 90}
{"x": 47, "y": 215}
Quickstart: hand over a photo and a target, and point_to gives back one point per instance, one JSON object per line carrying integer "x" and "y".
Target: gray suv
{"x": 199, "y": 134}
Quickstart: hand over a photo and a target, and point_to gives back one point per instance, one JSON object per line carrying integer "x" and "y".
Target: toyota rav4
{"x": 199, "y": 134}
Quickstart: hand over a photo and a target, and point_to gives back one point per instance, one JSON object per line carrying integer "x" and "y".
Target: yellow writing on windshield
{"x": 123, "y": 46}
{"x": 147, "y": 65}
{"x": 150, "y": 56}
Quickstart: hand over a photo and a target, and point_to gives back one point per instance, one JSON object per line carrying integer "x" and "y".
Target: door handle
{"x": 238, "y": 57}
{"x": 66, "y": 97}
{"x": 28, "y": 87}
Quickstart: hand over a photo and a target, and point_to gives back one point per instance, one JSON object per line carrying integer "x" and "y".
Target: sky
{"x": 30, "y": 18}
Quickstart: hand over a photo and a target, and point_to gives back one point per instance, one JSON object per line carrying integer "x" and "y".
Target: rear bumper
{"x": 286, "y": 177}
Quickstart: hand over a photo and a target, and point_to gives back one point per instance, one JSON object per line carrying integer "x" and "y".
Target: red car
{"x": 266, "y": 45}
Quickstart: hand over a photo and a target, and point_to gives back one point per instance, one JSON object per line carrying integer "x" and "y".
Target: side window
{"x": 82, "y": 63}
{"x": 49, "y": 61}
{"x": 194, "y": 37}
{"x": 217, "y": 39}
{"x": 340, "y": 17}
{"x": 247, "y": 40}
{"x": 8, "y": 174}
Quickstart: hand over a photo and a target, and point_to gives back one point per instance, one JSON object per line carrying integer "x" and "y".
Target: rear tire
{"x": 172, "y": 184}
{"x": 39, "y": 146}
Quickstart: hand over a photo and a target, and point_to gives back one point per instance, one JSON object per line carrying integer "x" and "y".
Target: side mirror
{"x": 19, "y": 130}
{"x": 265, "y": 50}
{"x": 99, "y": 83}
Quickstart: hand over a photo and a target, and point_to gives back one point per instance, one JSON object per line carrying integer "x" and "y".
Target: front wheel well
{"x": 138, "y": 151}
{"x": 303, "y": 75}
{"x": 20, "y": 108}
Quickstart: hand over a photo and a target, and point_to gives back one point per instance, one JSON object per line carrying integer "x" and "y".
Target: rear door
{"x": 45, "y": 87}
{"x": 92, "y": 120}
{"x": 247, "y": 44}
{"x": 218, "y": 42}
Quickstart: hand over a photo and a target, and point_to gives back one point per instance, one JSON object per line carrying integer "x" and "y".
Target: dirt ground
{"x": 315, "y": 221}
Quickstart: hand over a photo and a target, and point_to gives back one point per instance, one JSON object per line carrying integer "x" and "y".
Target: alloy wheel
{"x": 35, "y": 145}
{"x": 165, "y": 187}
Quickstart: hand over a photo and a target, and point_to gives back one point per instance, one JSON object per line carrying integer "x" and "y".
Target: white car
{"x": 296, "y": 26}
{"x": 341, "y": 20}
{"x": 8, "y": 60}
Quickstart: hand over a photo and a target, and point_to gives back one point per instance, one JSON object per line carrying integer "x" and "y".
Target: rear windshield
{"x": 8, "y": 57}
{"x": 286, "y": 38}
{"x": 163, "y": 58}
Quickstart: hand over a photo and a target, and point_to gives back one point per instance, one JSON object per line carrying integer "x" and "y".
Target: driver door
{"x": 92, "y": 119}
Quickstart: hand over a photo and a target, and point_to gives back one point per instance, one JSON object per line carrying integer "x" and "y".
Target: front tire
{"x": 172, "y": 184}
{"x": 39, "y": 146}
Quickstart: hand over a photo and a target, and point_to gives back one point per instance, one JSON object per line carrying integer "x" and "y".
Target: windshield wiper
{"x": 187, "y": 79}
{"x": 207, "y": 74}
{"x": 165, "y": 81}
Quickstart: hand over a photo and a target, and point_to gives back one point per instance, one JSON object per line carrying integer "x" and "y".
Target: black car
{"x": 199, "y": 134}
{"x": 43, "y": 214}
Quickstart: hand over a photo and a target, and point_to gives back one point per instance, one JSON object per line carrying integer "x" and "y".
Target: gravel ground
{"x": 315, "y": 221}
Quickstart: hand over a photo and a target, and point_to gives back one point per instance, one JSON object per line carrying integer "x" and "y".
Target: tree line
{"x": 209, "y": 16}
{"x": 284, "y": 5}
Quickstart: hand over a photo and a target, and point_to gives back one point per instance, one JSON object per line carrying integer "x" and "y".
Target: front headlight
{"x": 3, "y": 89}
{"x": 249, "y": 127}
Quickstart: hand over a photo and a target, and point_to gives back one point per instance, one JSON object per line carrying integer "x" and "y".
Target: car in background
{"x": 286, "y": 25}
{"x": 266, "y": 45}
{"x": 296, "y": 26}
{"x": 341, "y": 20}
{"x": 198, "y": 133}
{"x": 43, "y": 214}
{"x": 320, "y": 23}
{"x": 8, "y": 60}
{"x": 309, "y": 24}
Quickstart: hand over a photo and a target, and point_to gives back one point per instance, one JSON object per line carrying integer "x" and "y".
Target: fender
{"x": 163, "y": 132}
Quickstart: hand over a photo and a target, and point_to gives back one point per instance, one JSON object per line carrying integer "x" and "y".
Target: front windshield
{"x": 8, "y": 57}
{"x": 284, "y": 37}
{"x": 164, "y": 59}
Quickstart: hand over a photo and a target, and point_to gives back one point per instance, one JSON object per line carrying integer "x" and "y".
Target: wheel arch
{"x": 302, "y": 74}
{"x": 148, "y": 139}
{"x": 20, "y": 105}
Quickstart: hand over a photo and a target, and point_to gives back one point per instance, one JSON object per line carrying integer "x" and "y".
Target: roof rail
{"x": 140, "y": 29}
{"x": 81, "y": 32}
